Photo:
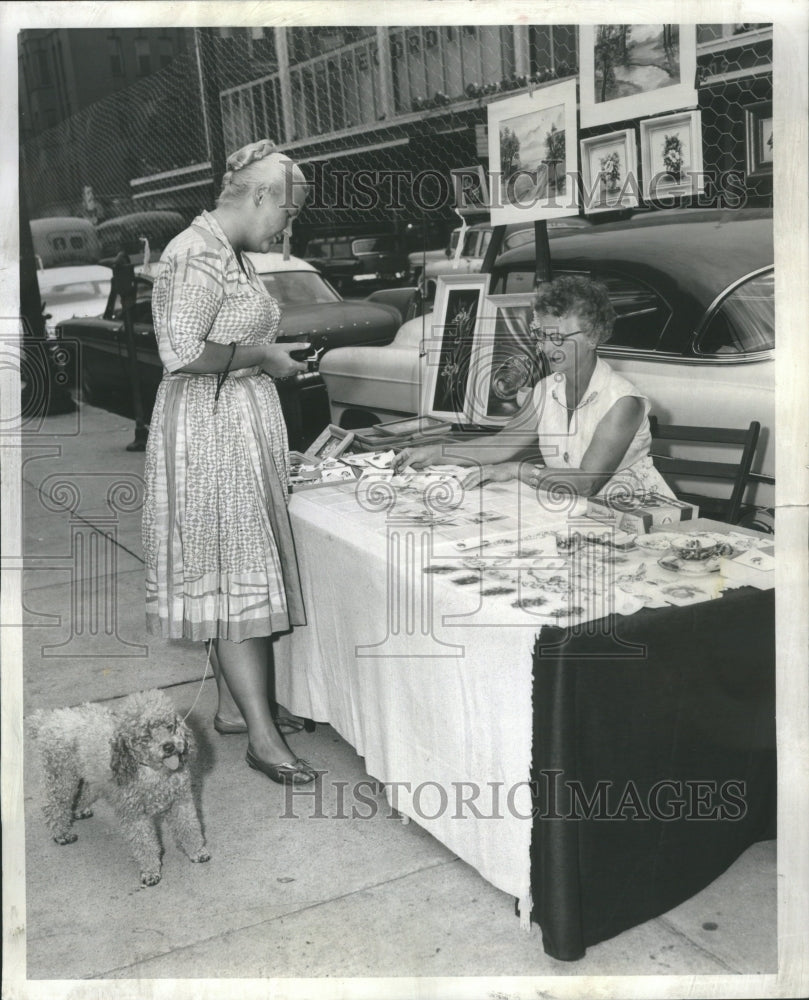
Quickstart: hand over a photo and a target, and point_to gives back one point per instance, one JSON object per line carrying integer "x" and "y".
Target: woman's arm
{"x": 513, "y": 438}
{"x": 274, "y": 359}
{"x": 600, "y": 462}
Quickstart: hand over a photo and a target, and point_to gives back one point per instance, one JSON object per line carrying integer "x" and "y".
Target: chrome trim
{"x": 717, "y": 302}
{"x": 710, "y": 360}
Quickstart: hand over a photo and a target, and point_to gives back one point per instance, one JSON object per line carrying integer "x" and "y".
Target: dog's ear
{"x": 123, "y": 763}
{"x": 182, "y": 729}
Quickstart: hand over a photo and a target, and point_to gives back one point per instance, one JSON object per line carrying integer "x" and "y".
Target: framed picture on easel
{"x": 506, "y": 363}
{"x": 533, "y": 155}
{"x": 449, "y": 348}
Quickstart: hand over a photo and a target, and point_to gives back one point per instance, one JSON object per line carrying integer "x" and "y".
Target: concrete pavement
{"x": 282, "y": 896}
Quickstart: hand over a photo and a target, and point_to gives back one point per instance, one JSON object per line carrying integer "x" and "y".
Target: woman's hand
{"x": 499, "y": 473}
{"x": 278, "y": 362}
{"x": 418, "y": 458}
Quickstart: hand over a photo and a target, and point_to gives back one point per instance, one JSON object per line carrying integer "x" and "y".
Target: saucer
{"x": 689, "y": 567}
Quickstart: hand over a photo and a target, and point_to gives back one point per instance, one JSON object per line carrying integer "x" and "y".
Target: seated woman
{"x": 590, "y": 423}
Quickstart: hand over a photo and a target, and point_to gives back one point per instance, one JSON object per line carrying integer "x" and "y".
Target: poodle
{"x": 136, "y": 757}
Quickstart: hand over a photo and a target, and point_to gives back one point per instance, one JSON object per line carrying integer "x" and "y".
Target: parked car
{"x": 63, "y": 240}
{"x": 79, "y": 290}
{"x": 311, "y": 310}
{"x": 424, "y": 267}
{"x": 125, "y": 233}
{"x": 693, "y": 291}
{"x": 357, "y": 263}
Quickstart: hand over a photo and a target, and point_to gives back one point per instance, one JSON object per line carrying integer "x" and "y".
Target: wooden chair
{"x": 737, "y": 473}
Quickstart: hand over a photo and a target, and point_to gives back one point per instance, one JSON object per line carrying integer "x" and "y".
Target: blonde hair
{"x": 257, "y": 163}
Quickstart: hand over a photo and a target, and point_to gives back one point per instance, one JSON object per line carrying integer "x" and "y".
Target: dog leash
{"x": 202, "y": 682}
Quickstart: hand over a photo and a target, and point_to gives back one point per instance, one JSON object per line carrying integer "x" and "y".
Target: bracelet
{"x": 222, "y": 378}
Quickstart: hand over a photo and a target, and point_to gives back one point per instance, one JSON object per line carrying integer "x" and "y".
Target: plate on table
{"x": 654, "y": 543}
{"x": 689, "y": 567}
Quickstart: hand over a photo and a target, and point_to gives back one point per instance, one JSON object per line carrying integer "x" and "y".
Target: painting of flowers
{"x": 609, "y": 166}
{"x": 449, "y": 350}
{"x": 671, "y": 155}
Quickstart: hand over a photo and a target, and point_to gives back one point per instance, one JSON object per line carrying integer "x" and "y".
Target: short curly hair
{"x": 585, "y": 298}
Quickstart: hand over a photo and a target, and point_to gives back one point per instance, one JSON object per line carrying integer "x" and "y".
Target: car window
{"x": 469, "y": 243}
{"x": 453, "y": 240}
{"x": 486, "y": 239}
{"x": 641, "y": 314}
{"x": 374, "y": 245}
{"x": 518, "y": 239}
{"x": 315, "y": 250}
{"x": 341, "y": 251}
{"x": 77, "y": 242}
{"x": 77, "y": 291}
{"x": 744, "y": 321}
{"x": 298, "y": 288}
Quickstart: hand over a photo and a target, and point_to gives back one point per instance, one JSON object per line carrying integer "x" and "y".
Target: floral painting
{"x": 671, "y": 155}
{"x": 609, "y": 166}
{"x": 449, "y": 351}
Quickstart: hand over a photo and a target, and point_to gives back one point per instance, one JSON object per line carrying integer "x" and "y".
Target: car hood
{"x": 340, "y": 323}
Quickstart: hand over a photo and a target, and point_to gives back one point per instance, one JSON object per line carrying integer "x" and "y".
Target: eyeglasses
{"x": 554, "y": 336}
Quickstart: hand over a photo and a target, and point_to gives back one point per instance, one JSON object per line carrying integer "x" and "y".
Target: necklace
{"x": 584, "y": 402}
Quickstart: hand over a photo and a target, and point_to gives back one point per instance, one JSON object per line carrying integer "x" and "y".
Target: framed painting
{"x": 671, "y": 155}
{"x": 609, "y": 172}
{"x": 505, "y": 364}
{"x": 758, "y": 129}
{"x": 332, "y": 441}
{"x": 533, "y": 155}
{"x": 633, "y": 70}
{"x": 448, "y": 352}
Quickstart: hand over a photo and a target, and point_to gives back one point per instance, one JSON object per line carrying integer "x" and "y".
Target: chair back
{"x": 736, "y": 473}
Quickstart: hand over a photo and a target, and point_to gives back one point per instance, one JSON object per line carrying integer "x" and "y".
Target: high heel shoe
{"x": 228, "y": 728}
{"x": 295, "y": 772}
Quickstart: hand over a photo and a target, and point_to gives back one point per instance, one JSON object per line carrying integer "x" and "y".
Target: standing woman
{"x": 220, "y": 558}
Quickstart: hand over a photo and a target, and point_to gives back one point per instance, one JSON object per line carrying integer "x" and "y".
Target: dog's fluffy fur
{"x": 136, "y": 757}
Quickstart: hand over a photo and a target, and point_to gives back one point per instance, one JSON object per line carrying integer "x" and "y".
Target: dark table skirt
{"x": 654, "y": 762}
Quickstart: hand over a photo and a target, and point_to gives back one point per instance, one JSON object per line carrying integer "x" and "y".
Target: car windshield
{"x": 374, "y": 245}
{"x": 293, "y": 288}
{"x": 744, "y": 321}
{"x": 76, "y": 292}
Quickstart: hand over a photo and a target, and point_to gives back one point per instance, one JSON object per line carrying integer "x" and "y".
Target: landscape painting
{"x": 629, "y": 70}
{"x": 533, "y": 147}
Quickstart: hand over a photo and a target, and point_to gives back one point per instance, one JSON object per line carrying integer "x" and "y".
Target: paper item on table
{"x": 371, "y": 459}
{"x": 756, "y": 559}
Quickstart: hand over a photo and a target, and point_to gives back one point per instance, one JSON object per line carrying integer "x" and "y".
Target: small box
{"x": 642, "y": 511}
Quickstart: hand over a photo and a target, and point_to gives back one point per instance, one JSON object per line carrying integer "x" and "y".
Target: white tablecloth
{"x": 418, "y": 648}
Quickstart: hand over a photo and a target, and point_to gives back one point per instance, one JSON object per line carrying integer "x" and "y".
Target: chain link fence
{"x": 378, "y": 117}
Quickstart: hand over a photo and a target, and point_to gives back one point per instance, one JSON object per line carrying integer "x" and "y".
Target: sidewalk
{"x": 281, "y": 897}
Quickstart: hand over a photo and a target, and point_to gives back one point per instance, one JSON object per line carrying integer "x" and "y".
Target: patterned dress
{"x": 220, "y": 558}
{"x": 564, "y": 436}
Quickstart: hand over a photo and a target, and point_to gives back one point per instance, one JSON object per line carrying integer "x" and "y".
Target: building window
{"x": 44, "y": 68}
{"x": 142, "y": 57}
{"x": 166, "y": 52}
{"x": 116, "y": 57}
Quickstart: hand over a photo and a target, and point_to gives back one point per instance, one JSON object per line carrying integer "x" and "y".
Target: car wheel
{"x": 353, "y": 420}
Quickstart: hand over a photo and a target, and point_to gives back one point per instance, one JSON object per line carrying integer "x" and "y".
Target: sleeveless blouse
{"x": 563, "y": 444}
